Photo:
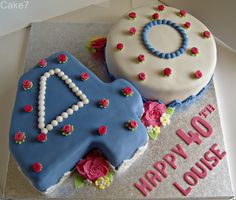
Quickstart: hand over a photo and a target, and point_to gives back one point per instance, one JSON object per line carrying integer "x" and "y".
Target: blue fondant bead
{"x": 168, "y": 22}
{"x": 167, "y": 55}
{"x": 161, "y": 55}
{"x": 60, "y": 154}
{"x": 164, "y": 21}
{"x": 173, "y": 55}
{"x": 157, "y": 53}
{"x": 181, "y": 50}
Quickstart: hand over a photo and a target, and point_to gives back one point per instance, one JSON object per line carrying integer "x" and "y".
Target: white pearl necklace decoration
{"x": 45, "y": 128}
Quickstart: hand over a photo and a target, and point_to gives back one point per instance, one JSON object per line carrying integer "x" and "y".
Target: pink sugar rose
{"x": 152, "y": 113}
{"x": 93, "y": 167}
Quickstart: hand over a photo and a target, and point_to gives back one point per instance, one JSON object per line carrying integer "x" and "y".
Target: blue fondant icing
{"x": 59, "y": 154}
{"x": 181, "y": 31}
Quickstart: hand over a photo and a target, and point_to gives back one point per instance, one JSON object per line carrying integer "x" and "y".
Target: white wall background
{"x": 218, "y": 15}
{"x": 27, "y": 11}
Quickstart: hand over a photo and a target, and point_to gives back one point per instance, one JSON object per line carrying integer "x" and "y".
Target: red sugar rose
{"x": 28, "y": 108}
{"x": 161, "y": 7}
{"x": 182, "y": 13}
{"x": 132, "y": 30}
{"x": 104, "y": 103}
{"x": 206, "y": 34}
{"x": 127, "y": 91}
{"x": 198, "y": 74}
{"x": 152, "y": 113}
{"x": 142, "y": 76}
{"x": 27, "y": 84}
{"x": 19, "y": 137}
{"x": 141, "y": 58}
{"x": 84, "y": 76}
{"x": 93, "y": 167}
{"x": 155, "y": 16}
{"x": 194, "y": 51}
{"x": 98, "y": 44}
{"x": 132, "y": 15}
{"x": 42, "y": 137}
{"x": 67, "y": 128}
{"x": 167, "y": 71}
{"x": 37, "y": 167}
{"x": 102, "y": 130}
{"x": 132, "y": 124}
{"x": 120, "y": 46}
{"x": 187, "y": 24}
{"x": 42, "y": 63}
{"x": 62, "y": 58}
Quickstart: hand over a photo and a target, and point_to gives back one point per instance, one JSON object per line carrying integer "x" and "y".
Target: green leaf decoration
{"x": 170, "y": 111}
{"x": 110, "y": 176}
{"x": 153, "y": 135}
{"x": 79, "y": 181}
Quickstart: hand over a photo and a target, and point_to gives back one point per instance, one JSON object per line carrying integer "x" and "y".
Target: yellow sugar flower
{"x": 165, "y": 119}
{"x": 102, "y": 183}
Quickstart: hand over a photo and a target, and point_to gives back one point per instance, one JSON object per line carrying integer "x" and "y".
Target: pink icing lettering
{"x": 198, "y": 120}
{"x": 170, "y": 158}
{"x": 202, "y": 173}
{"x": 191, "y": 178}
{"x": 179, "y": 150}
{"x": 143, "y": 187}
{"x": 160, "y": 166}
{"x": 153, "y": 177}
{"x": 185, "y": 192}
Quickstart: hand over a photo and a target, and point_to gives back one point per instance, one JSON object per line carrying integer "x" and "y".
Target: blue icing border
{"x": 59, "y": 154}
{"x": 156, "y": 52}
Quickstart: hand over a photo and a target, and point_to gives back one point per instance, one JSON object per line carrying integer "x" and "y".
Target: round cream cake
{"x": 166, "y": 53}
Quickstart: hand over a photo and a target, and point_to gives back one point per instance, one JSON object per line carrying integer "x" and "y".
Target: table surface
{"x": 12, "y": 53}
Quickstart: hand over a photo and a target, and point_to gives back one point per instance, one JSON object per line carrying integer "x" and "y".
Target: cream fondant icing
{"x": 181, "y": 83}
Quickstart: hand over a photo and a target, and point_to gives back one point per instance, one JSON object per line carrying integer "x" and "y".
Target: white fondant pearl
{"x": 59, "y": 118}
{"x": 71, "y": 85}
{"x": 51, "y": 72}
{"x": 57, "y": 70}
{"x": 78, "y": 93}
{"x": 44, "y": 130}
{"x": 75, "y": 107}
{"x": 41, "y": 108}
{"x": 42, "y": 79}
{"x": 41, "y": 125}
{"x": 49, "y": 127}
{"x": 68, "y": 81}
{"x": 64, "y": 77}
{"x": 69, "y": 111}
{"x": 41, "y": 113}
{"x": 85, "y": 101}
{"x": 41, "y": 119}
{"x": 64, "y": 115}
{"x": 43, "y": 82}
{"x": 75, "y": 89}
{"x": 41, "y": 97}
{"x": 42, "y": 92}
{"x": 42, "y": 87}
{"x": 54, "y": 122}
{"x": 60, "y": 74}
{"x": 83, "y": 96}
{"x": 80, "y": 104}
{"x": 46, "y": 74}
{"x": 41, "y": 103}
